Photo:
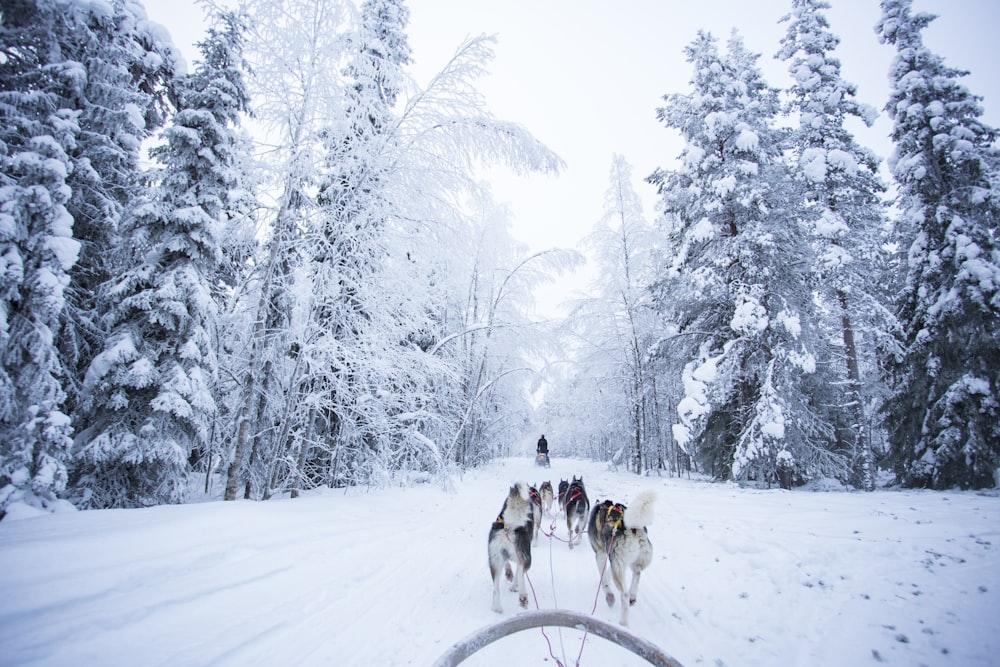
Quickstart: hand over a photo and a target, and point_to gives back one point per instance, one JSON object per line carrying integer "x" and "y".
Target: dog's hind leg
{"x": 522, "y": 594}
{"x": 619, "y": 577}
{"x": 522, "y": 551}
{"x": 497, "y": 607}
{"x": 499, "y": 567}
{"x": 495, "y": 573}
{"x": 632, "y": 593}
{"x": 602, "y": 570}
{"x": 633, "y": 590}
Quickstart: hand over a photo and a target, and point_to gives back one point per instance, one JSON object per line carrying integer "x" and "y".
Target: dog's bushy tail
{"x": 640, "y": 511}
{"x": 517, "y": 508}
{"x": 522, "y": 489}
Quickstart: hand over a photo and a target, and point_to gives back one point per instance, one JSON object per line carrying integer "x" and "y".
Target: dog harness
{"x": 616, "y": 514}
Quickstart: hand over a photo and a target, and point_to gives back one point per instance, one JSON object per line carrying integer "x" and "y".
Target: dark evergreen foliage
{"x": 150, "y": 394}
{"x": 943, "y": 416}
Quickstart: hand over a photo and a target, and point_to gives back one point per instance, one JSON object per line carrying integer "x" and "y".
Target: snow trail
{"x": 395, "y": 576}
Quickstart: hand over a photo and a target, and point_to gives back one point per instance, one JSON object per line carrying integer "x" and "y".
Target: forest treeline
{"x": 279, "y": 269}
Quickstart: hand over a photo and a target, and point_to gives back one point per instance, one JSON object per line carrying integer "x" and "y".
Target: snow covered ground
{"x": 393, "y": 577}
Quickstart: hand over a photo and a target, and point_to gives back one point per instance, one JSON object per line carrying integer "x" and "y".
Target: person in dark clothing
{"x": 543, "y": 445}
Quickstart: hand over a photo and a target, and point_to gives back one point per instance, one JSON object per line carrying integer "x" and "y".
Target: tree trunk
{"x": 300, "y": 464}
{"x": 862, "y": 445}
{"x": 243, "y": 434}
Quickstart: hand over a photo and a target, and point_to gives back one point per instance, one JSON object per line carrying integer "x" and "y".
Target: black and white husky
{"x": 545, "y": 490}
{"x": 619, "y": 538}
{"x": 536, "y": 513}
{"x": 510, "y": 541}
{"x": 599, "y": 542}
{"x": 577, "y": 508}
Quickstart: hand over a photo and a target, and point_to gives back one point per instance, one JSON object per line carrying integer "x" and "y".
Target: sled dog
{"x": 619, "y": 538}
{"x": 595, "y": 531}
{"x": 563, "y": 488}
{"x": 577, "y": 508}
{"x": 545, "y": 490}
{"x": 536, "y": 513}
{"x": 510, "y": 541}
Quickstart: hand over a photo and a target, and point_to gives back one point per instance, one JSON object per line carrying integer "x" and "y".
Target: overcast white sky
{"x": 586, "y": 76}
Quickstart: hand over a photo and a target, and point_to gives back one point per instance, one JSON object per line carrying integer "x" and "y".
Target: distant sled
{"x": 542, "y": 460}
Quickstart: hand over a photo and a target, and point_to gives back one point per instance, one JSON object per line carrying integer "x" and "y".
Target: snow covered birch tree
{"x": 618, "y": 325}
{"x": 449, "y": 279}
{"x": 296, "y": 90}
{"x": 493, "y": 349}
{"x": 38, "y": 132}
{"x": 943, "y": 417}
{"x": 843, "y": 211}
{"x": 738, "y": 288}
{"x": 337, "y": 380}
{"x": 475, "y": 277}
{"x": 150, "y": 393}
{"x": 350, "y": 336}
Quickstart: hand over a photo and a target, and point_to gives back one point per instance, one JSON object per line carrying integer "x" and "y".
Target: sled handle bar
{"x": 559, "y": 617}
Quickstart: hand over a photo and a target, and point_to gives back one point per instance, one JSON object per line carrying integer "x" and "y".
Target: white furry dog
{"x": 536, "y": 513}
{"x": 545, "y": 490}
{"x": 510, "y": 541}
{"x": 577, "y": 506}
{"x": 599, "y": 542}
{"x": 618, "y": 534}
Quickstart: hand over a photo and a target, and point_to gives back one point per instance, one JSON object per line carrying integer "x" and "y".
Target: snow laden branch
{"x": 479, "y": 394}
{"x": 488, "y": 341}
{"x": 450, "y": 115}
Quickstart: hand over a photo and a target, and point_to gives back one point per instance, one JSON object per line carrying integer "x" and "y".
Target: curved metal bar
{"x": 559, "y": 617}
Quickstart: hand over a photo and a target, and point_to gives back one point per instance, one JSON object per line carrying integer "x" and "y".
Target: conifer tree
{"x": 943, "y": 416}
{"x": 843, "y": 213}
{"x": 737, "y": 288}
{"x": 150, "y": 394}
{"x": 38, "y": 133}
{"x": 122, "y": 103}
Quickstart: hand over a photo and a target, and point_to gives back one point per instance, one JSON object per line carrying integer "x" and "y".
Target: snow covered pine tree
{"x": 38, "y": 133}
{"x": 738, "y": 287}
{"x": 944, "y": 415}
{"x": 843, "y": 214}
{"x": 150, "y": 393}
